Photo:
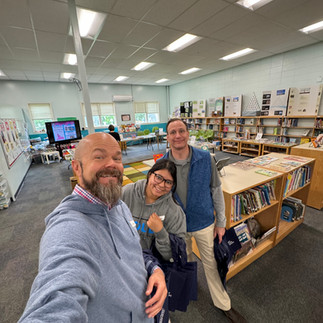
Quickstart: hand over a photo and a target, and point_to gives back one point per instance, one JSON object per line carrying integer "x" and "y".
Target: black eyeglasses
{"x": 159, "y": 179}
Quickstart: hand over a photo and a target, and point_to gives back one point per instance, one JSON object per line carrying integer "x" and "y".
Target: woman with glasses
{"x": 155, "y": 212}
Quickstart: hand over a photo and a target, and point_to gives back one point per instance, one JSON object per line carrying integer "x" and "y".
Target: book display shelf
{"x": 250, "y": 148}
{"x": 256, "y": 189}
{"x": 237, "y": 182}
{"x": 297, "y": 173}
{"x": 231, "y": 145}
{"x": 315, "y": 196}
{"x": 281, "y": 129}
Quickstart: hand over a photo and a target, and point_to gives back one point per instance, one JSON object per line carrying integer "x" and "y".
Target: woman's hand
{"x": 155, "y": 223}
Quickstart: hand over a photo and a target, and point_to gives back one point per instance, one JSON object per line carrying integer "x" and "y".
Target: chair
{"x": 220, "y": 165}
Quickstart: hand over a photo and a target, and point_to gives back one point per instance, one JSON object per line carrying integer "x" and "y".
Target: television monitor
{"x": 62, "y": 132}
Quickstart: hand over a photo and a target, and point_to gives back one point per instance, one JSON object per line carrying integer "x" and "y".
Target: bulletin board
{"x": 304, "y": 101}
{"x": 274, "y": 103}
{"x": 232, "y": 106}
{"x": 10, "y": 141}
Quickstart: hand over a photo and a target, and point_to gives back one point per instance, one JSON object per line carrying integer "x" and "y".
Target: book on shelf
{"x": 243, "y": 234}
{"x": 252, "y": 200}
{"x": 298, "y": 178}
{"x": 292, "y": 209}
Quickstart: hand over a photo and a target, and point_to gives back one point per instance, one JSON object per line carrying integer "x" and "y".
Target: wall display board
{"x": 232, "y": 106}
{"x": 252, "y": 108}
{"x": 199, "y": 109}
{"x": 211, "y": 107}
{"x": 10, "y": 141}
{"x": 186, "y": 109}
{"x": 274, "y": 103}
{"x": 304, "y": 101}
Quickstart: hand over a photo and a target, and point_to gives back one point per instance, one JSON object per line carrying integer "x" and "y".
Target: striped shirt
{"x": 78, "y": 190}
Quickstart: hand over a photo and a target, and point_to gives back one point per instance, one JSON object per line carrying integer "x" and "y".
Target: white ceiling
{"x": 34, "y": 37}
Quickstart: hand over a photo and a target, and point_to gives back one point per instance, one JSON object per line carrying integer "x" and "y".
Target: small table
{"x": 45, "y": 154}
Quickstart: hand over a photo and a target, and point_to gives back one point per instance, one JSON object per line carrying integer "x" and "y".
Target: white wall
{"x": 65, "y": 98}
{"x": 297, "y": 68}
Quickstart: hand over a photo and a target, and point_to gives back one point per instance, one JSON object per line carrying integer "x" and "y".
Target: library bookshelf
{"x": 250, "y": 148}
{"x": 278, "y": 128}
{"x": 231, "y": 145}
{"x": 283, "y": 227}
{"x": 237, "y": 181}
{"x": 315, "y": 195}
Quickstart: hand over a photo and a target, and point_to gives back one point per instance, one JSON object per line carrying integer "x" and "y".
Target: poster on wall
{"x": 215, "y": 107}
{"x": 199, "y": 109}
{"x": 304, "y": 101}
{"x": 274, "y": 103}
{"x": 10, "y": 141}
{"x": 232, "y": 106}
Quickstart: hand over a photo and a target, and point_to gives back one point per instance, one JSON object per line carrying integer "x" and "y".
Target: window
{"x": 146, "y": 112}
{"x": 103, "y": 114}
{"x": 40, "y": 113}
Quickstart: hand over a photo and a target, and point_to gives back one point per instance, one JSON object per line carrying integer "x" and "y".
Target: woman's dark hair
{"x": 164, "y": 164}
{"x": 111, "y": 127}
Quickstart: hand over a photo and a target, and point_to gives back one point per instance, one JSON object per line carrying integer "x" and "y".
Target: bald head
{"x": 95, "y": 139}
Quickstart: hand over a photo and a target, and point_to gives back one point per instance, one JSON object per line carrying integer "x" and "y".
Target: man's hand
{"x": 155, "y": 223}
{"x": 219, "y": 232}
{"x": 155, "y": 304}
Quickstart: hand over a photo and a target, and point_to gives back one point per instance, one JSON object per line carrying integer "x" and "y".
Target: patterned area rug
{"x": 134, "y": 172}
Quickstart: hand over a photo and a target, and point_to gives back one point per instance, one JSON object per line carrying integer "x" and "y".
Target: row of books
{"x": 291, "y": 122}
{"x": 249, "y": 238}
{"x": 298, "y": 178}
{"x": 318, "y": 123}
{"x": 252, "y": 200}
{"x": 293, "y": 209}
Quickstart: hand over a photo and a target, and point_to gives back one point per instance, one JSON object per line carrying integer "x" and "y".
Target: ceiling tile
{"x": 223, "y": 18}
{"x": 142, "y": 34}
{"x": 51, "y": 41}
{"x": 165, "y": 11}
{"x": 132, "y": 9}
{"x": 116, "y": 28}
{"x": 17, "y": 37}
{"x": 197, "y": 14}
{"x": 50, "y": 16}
{"x": 12, "y": 16}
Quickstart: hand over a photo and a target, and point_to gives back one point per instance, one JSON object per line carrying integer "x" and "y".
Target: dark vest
{"x": 199, "y": 204}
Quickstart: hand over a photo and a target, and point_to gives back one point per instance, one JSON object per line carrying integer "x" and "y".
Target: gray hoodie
{"x": 174, "y": 222}
{"x": 91, "y": 267}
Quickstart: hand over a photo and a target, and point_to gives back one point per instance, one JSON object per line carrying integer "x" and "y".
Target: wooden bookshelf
{"x": 231, "y": 145}
{"x": 284, "y": 227}
{"x": 250, "y": 148}
{"x": 237, "y": 181}
{"x": 315, "y": 195}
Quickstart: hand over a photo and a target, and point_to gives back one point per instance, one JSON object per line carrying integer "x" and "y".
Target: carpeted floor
{"x": 134, "y": 172}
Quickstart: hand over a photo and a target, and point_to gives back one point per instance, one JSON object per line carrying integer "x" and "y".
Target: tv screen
{"x": 60, "y": 132}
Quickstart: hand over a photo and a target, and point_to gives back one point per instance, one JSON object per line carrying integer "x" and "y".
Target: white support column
{"x": 81, "y": 64}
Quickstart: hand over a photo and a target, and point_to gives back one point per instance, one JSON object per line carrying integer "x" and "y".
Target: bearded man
{"x": 91, "y": 265}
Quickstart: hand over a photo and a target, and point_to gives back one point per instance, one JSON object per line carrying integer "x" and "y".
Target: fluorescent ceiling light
{"x": 2, "y": 74}
{"x": 190, "y": 70}
{"x": 121, "y": 78}
{"x": 142, "y": 66}
{"x": 162, "y": 80}
{"x": 253, "y": 4}
{"x": 90, "y": 22}
{"x": 67, "y": 75}
{"x": 70, "y": 59}
{"x": 182, "y": 42}
{"x": 312, "y": 28}
{"x": 240, "y": 53}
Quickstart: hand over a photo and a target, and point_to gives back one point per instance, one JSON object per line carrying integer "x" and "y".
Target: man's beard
{"x": 109, "y": 193}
